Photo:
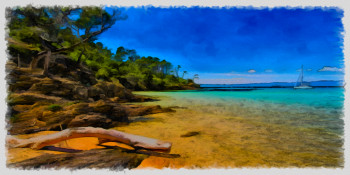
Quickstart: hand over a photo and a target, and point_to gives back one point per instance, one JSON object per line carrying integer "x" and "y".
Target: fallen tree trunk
{"x": 113, "y": 159}
{"x": 103, "y": 135}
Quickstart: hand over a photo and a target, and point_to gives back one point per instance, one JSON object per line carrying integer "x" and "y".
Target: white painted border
{"x": 343, "y": 4}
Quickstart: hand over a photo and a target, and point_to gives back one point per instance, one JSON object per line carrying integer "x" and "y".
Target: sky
{"x": 236, "y": 45}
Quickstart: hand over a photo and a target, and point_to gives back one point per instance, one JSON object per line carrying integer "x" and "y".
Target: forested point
{"x": 59, "y": 78}
{"x": 39, "y": 35}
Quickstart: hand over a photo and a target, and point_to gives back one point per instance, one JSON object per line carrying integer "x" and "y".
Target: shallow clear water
{"x": 265, "y": 127}
{"x": 318, "y": 107}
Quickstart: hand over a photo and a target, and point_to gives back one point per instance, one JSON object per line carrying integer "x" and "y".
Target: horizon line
{"x": 264, "y": 82}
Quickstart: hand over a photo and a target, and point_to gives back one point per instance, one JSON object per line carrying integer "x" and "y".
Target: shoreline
{"x": 239, "y": 141}
{"x": 225, "y": 141}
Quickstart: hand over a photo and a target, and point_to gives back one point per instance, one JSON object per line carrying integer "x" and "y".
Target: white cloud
{"x": 268, "y": 70}
{"x": 330, "y": 69}
{"x": 251, "y": 71}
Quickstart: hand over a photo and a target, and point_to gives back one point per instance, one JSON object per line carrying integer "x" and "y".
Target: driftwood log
{"x": 113, "y": 159}
{"x": 103, "y": 135}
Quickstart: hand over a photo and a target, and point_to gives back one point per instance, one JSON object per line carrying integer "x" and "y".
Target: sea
{"x": 268, "y": 125}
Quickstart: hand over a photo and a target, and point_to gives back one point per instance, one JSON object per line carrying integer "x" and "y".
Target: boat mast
{"x": 302, "y": 75}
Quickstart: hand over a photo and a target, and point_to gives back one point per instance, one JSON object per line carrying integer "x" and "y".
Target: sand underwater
{"x": 261, "y": 128}
{"x": 272, "y": 127}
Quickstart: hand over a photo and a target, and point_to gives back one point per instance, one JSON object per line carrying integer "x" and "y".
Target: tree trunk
{"x": 112, "y": 159}
{"x": 35, "y": 60}
{"x": 79, "y": 58}
{"x": 103, "y": 135}
{"x": 46, "y": 63}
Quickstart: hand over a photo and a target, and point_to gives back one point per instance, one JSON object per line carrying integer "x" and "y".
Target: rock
{"x": 140, "y": 98}
{"x": 86, "y": 76}
{"x": 66, "y": 67}
{"x": 80, "y": 93}
{"x": 39, "y": 118}
{"x": 119, "y": 114}
{"x": 20, "y": 79}
{"x": 59, "y": 65}
{"x": 22, "y": 83}
{"x": 27, "y": 121}
{"x": 21, "y": 108}
{"x": 190, "y": 134}
{"x": 94, "y": 120}
{"x": 94, "y": 92}
{"x": 30, "y": 114}
{"x": 28, "y": 126}
{"x": 101, "y": 107}
{"x": 104, "y": 89}
{"x": 79, "y": 108}
{"x": 46, "y": 86}
{"x": 58, "y": 117}
{"x": 28, "y": 98}
{"x": 144, "y": 110}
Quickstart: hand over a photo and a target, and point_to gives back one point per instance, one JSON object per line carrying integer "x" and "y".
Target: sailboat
{"x": 300, "y": 84}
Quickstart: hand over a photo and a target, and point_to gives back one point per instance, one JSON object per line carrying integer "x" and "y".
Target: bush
{"x": 102, "y": 73}
{"x": 54, "y": 107}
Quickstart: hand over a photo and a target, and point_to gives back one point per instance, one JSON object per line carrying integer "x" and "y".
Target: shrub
{"x": 71, "y": 103}
{"x": 54, "y": 107}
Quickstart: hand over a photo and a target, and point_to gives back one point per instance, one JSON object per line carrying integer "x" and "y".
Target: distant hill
{"x": 322, "y": 83}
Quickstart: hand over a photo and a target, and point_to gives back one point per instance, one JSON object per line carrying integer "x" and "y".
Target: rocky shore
{"x": 71, "y": 97}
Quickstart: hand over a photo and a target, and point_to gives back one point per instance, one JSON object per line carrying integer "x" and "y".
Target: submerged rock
{"x": 190, "y": 134}
{"x": 134, "y": 110}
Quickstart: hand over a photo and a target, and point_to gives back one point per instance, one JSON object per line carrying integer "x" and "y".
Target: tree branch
{"x": 103, "y": 135}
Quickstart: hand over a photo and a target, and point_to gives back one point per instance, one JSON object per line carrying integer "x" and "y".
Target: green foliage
{"x": 58, "y": 29}
{"x": 142, "y": 73}
{"x": 102, "y": 73}
{"x": 71, "y": 103}
{"x": 54, "y": 107}
{"x": 74, "y": 30}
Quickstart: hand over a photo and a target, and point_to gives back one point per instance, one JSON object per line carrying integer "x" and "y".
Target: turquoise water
{"x": 278, "y": 127}
{"x": 317, "y": 108}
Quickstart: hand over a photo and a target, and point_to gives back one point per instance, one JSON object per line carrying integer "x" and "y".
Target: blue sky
{"x": 236, "y": 45}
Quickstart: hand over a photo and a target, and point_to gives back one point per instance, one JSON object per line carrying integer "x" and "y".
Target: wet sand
{"x": 228, "y": 142}
{"x": 232, "y": 135}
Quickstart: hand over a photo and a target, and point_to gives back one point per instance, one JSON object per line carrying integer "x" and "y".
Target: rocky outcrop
{"x": 43, "y": 116}
{"x": 72, "y": 97}
{"x": 104, "y": 90}
{"x": 94, "y": 120}
{"x": 29, "y": 98}
{"x": 67, "y": 80}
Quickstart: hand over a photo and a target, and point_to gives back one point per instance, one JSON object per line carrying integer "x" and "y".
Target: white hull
{"x": 302, "y": 87}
